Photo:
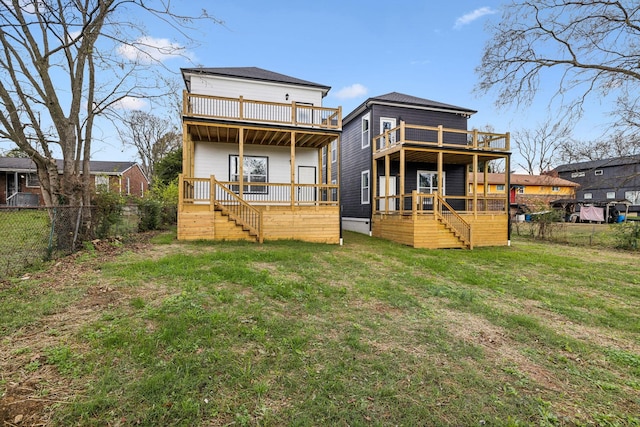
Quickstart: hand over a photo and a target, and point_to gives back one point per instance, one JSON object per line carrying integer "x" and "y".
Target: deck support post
{"x": 402, "y": 172}
{"x": 387, "y": 173}
{"x": 374, "y": 186}
{"x": 212, "y": 192}
{"x": 241, "y": 162}
{"x": 293, "y": 168}
{"x": 475, "y": 186}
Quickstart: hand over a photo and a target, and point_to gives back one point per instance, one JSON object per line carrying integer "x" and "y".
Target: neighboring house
{"x": 253, "y": 151}
{"x": 404, "y": 174}
{"x": 606, "y": 180}
{"x": 530, "y": 190}
{"x": 20, "y": 186}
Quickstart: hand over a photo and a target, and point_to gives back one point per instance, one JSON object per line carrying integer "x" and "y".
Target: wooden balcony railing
{"x": 424, "y": 204}
{"x": 440, "y": 137}
{"x": 246, "y": 110}
{"x": 208, "y": 190}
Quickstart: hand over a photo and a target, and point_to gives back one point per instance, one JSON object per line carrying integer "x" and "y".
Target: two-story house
{"x": 253, "y": 157}
{"x": 606, "y": 180}
{"x": 404, "y": 174}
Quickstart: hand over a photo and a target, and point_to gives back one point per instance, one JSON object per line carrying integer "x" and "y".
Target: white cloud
{"x": 472, "y": 16}
{"x": 353, "y": 91}
{"x": 148, "y": 49}
{"x": 130, "y": 103}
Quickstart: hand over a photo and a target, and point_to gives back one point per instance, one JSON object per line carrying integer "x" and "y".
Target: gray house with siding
{"x": 616, "y": 178}
{"x": 404, "y": 164}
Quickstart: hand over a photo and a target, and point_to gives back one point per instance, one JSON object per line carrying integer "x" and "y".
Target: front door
{"x": 392, "y": 192}
{"x": 306, "y": 175}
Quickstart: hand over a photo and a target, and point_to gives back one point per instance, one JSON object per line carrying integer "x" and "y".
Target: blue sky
{"x": 426, "y": 48}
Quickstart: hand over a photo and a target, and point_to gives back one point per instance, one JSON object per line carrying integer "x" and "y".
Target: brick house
{"x": 19, "y": 184}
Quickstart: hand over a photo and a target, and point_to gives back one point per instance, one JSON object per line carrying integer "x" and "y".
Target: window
{"x": 364, "y": 187}
{"x": 386, "y": 124}
{"x": 102, "y": 183}
{"x": 598, "y": 172}
{"x": 142, "y": 189}
{"x": 500, "y": 188}
{"x": 577, "y": 174}
{"x": 255, "y": 170}
{"x": 555, "y": 188}
{"x": 33, "y": 180}
{"x": 334, "y": 151}
{"x": 324, "y": 156}
{"x": 611, "y": 194}
{"x": 128, "y": 185}
{"x": 366, "y": 137}
{"x": 588, "y": 196}
{"x": 520, "y": 189}
{"x": 633, "y": 197}
{"x": 428, "y": 182}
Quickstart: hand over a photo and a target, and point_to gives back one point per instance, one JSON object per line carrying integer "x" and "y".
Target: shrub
{"x": 627, "y": 235}
{"x": 107, "y": 213}
{"x": 150, "y": 214}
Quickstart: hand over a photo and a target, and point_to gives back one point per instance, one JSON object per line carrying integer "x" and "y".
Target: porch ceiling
{"x": 449, "y": 156}
{"x": 274, "y": 136}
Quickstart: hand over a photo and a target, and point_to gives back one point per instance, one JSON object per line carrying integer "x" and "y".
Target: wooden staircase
{"x": 454, "y": 223}
{"x": 237, "y": 210}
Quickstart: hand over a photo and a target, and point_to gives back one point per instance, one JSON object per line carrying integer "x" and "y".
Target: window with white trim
{"x": 365, "y": 185}
{"x": 32, "y": 180}
{"x": 577, "y": 174}
{"x": 555, "y": 188}
{"x": 102, "y": 183}
{"x": 500, "y": 188}
{"x": 334, "y": 151}
{"x": 633, "y": 197}
{"x": 599, "y": 172}
{"x": 588, "y": 196}
{"x": 255, "y": 170}
{"x": 366, "y": 133}
{"x": 128, "y": 186}
{"x": 611, "y": 194}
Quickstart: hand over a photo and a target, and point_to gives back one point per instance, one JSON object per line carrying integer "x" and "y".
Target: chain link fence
{"x": 31, "y": 235}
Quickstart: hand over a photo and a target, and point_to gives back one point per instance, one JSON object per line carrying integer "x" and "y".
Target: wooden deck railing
{"x": 217, "y": 107}
{"x": 208, "y": 190}
{"x": 440, "y": 137}
{"x": 423, "y": 204}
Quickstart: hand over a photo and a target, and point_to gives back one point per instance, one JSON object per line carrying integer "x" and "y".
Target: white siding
{"x": 213, "y": 159}
{"x": 254, "y": 90}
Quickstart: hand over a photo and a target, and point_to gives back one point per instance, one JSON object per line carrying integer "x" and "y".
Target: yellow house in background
{"x": 529, "y": 190}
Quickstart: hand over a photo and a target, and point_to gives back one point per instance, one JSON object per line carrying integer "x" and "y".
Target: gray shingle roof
{"x": 12, "y": 164}
{"x": 403, "y": 100}
{"x": 251, "y": 73}
{"x": 595, "y": 164}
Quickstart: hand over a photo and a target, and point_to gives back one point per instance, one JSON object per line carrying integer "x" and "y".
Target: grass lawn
{"x": 290, "y": 333}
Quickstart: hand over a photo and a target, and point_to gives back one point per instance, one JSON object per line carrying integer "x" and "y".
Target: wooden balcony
{"x": 261, "y": 112}
{"x": 438, "y": 137}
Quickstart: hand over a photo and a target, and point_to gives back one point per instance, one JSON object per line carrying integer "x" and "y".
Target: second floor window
{"x": 366, "y": 137}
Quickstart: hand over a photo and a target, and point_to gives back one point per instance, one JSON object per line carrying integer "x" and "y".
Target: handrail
{"x": 438, "y": 136}
{"x": 296, "y": 114}
{"x": 10, "y": 200}
{"x": 237, "y": 209}
{"x": 450, "y": 217}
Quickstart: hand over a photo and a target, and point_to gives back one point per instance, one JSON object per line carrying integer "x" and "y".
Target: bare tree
{"x": 152, "y": 136}
{"x": 593, "y": 46}
{"x": 539, "y": 146}
{"x": 620, "y": 144}
{"x": 65, "y": 64}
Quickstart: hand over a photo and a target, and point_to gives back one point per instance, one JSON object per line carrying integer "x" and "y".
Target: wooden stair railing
{"x": 238, "y": 210}
{"x": 460, "y": 228}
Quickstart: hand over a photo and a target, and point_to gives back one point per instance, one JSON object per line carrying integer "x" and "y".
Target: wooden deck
{"x": 425, "y": 231}
{"x": 319, "y": 224}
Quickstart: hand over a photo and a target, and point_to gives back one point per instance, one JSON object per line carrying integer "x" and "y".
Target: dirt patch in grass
{"x": 30, "y": 386}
